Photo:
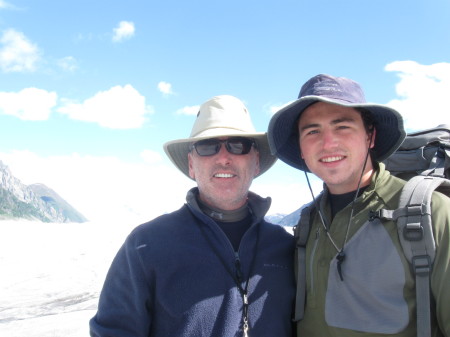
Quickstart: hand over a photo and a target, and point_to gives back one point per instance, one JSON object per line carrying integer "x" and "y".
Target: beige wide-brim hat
{"x": 220, "y": 116}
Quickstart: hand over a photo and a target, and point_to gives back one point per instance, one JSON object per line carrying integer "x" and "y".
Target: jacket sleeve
{"x": 123, "y": 309}
{"x": 440, "y": 278}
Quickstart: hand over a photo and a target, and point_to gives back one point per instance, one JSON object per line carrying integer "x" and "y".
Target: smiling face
{"x": 224, "y": 179}
{"x": 334, "y": 144}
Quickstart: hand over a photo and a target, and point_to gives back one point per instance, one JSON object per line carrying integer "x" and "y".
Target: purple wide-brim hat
{"x": 283, "y": 128}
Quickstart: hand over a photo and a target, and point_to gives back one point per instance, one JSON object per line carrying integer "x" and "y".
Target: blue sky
{"x": 91, "y": 90}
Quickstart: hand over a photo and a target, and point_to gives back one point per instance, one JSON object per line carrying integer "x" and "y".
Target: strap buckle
{"x": 413, "y": 232}
{"x": 374, "y": 215}
{"x": 421, "y": 265}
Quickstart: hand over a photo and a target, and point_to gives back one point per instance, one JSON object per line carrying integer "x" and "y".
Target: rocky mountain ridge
{"x": 32, "y": 202}
{"x": 286, "y": 220}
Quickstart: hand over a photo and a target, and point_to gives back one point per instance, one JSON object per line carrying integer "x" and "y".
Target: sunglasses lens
{"x": 236, "y": 145}
{"x": 239, "y": 145}
{"x": 207, "y": 147}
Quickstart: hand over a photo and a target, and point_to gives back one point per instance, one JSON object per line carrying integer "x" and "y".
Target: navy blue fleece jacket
{"x": 167, "y": 280}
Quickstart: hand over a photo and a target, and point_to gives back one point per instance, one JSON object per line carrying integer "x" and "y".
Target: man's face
{"x": 334, "y": 143}
{"x": 224, "y": 179}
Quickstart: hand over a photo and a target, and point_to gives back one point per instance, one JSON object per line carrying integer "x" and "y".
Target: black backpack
{"x": 425, "y": 152}
{"x": 423, "y": 160}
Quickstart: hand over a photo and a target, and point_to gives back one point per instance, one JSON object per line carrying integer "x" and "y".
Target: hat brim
{"x": 177, "y": 150}
{"x": 283, "y": 134}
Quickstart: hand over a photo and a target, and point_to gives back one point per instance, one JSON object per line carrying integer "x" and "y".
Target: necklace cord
{"x": 238, "y": 275}
{"x": 357, "y": 192}
{"x": 340, "y": 257}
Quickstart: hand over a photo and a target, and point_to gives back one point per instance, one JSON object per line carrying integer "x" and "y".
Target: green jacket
{"x": 377, "y": 294}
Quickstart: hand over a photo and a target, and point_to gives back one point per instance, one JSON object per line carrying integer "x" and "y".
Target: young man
{"x": 215, "y": 267}
{"x": 358, "y": 281}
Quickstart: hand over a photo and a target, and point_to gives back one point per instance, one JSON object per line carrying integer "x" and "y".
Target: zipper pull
{"x": 245, "y": 329}
{"x": 245, "y": 314}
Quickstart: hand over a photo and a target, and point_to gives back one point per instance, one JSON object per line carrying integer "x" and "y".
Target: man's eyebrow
{"x": 309, "y": 126}
{"x": 343, "y": 120}
{"x": 333, "y": 122}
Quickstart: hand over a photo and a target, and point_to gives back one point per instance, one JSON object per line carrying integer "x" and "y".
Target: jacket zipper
{"x": 239, "y": 274}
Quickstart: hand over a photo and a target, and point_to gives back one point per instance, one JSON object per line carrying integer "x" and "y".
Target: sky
{"x": 91, "y": 90}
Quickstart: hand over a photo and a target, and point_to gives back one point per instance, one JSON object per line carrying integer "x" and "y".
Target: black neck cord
{"x": 237, "y": 276}
{"x": 340, "y": 257}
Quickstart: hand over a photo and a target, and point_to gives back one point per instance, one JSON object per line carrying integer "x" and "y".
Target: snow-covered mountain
{"x": 33, "y": 202}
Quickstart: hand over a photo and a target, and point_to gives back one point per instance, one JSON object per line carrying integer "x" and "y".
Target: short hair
{"x": 369, "y": 125}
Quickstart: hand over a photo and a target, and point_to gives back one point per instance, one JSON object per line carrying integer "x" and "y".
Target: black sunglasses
{"x": 234, "y": 145}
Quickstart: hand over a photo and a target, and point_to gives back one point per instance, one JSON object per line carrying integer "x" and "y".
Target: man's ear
{"x": 191, "y": 169}
{"x": 372, "y": 135}
{"x": 257, "y": 168}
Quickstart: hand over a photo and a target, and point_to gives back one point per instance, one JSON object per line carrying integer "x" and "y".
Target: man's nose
{"x": 223, "y": 156}
{"x": 329, "y": 139}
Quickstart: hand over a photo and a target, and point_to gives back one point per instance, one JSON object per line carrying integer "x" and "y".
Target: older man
{"x": 215, "y": 267}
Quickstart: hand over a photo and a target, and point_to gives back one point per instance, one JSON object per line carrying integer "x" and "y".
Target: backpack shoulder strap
{"x": 301, "y": 233}
{"x": 415, "y": 232}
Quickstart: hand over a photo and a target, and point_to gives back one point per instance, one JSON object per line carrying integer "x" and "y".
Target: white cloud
{"x": 165, "y": 88}
{"x": 80, "y": 37}
{"x": 105, "y": 188}
{"x": 286, "y": 198}
{"x": 117, "y": 108}
{"x": 287, "y": 187}
{"x": 125, "y": 30}
{"x": 6, "y": 5}
{"x": 68, "y": 63}
{"x": 423, "y": 92}
{"x": 189, "y": 110}
{"x": 17, "y": 53}
{"x": 274, "y": 108}
{"x": 151, "y": 157}
{"x": 28, "y": 104}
